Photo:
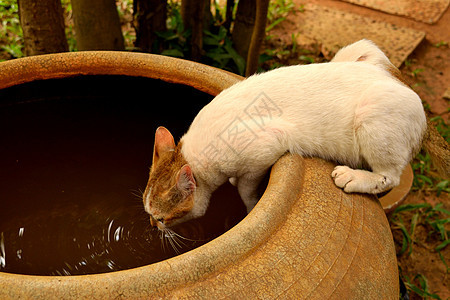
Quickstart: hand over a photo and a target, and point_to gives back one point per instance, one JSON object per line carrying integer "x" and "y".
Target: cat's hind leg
{"x": 388, "y": 127}
{"x": 386, "y": 160}
{"x": 362, "y": 181}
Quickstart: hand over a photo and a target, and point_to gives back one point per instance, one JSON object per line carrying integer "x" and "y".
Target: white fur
{"x": 147, "y": 201}
{"x": 363, "y": 50}
{"x": 351, "y": 110}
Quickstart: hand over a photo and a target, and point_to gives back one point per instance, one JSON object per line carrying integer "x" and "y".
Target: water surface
{"x": 74, "y": 160}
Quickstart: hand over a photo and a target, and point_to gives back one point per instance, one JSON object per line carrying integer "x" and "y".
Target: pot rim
{"x": 285, "y": 178}
{"x": 68, "y": 64}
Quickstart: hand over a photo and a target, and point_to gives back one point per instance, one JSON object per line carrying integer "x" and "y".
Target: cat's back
{"x": 298, "y": 107}
{"x": 295, "y": 88}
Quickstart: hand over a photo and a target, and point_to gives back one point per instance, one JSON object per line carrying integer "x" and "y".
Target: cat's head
{"x": 168, "y": 197}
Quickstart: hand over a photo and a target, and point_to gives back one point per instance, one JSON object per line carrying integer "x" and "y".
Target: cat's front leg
{"x": 362, "y": 181}
{"x": 233, "y": 180}
{"x": 248, "y": 189}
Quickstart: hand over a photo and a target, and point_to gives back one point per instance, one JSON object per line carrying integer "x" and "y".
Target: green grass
{"x": 406, "y": 219}
{"x": 421, "y": 288}
{"x": 278, "y": 12}
{"x": 433, "y": 218}
{"x": 11, "y": 37}
{"x": 217, "y": 45}
{"x": 441, "y": 44}
{"x": 426, "y": 178}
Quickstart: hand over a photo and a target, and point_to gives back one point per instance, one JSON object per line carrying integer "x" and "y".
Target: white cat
{"x": 353, "y": 110}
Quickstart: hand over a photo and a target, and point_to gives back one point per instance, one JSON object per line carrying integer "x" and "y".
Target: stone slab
{"x": 333, "y": 29}
{"x": 426, "y": 11}
{"x": 446, "y": 94}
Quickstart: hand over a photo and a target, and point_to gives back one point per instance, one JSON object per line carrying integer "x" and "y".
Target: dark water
{"x": 74, "y": 158}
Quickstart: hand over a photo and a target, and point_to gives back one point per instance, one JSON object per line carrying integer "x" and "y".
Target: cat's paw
{"x": 359, "y": 181}
{"x": 342, "y": 176}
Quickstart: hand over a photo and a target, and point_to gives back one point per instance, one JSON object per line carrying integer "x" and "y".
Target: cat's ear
{"x": 185, "y": 181}
{"x": 163, "y": 142}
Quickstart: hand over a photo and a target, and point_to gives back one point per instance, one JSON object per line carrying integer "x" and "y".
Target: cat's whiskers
{"x": 171, "y": 238}
{"x": 163, "y": 240}
{"x": 138, "y": 193}
{"x": 184, "y": 238}
{"x": 176, "y": 238}
{"x": 176, "y": 241}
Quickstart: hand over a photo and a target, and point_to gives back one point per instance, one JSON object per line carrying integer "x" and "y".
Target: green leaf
{"x": 264, "y": 57}
{"x": 443, "y": 261}
{"x": 275, "y": 23}
{"x": 409, "y": 207}
{"x": 425, "y": 179}
{"x": 173, "y": 52}
{"x": 237, "y": 59}
{"x": 211, "y": 41}
{"x": 167, "y": 35}
{"x": 439, "y": 226}
{"x": 306, "y": 58}
{"x": 423, "y": 289}
{"x": 406, "y": 237}
{"x": 442, "y": 186}
{"x": 219, "y": 57}
{"x": 222, "y": 33}
{"x": 442, "y": 245}
{"x": 439, "y": 208}
{"x": 414, "y": 219}
{"x": 14, "y": 50}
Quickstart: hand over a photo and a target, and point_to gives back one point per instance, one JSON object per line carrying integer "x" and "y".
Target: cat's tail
{"x": 366, "y": 51}
{"x": 363, "y": 50}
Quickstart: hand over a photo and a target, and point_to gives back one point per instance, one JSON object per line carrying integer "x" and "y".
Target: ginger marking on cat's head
{"x": 168, "y": 196}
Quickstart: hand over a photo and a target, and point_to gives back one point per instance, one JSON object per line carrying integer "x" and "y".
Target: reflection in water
{"x": 2, "y": 251}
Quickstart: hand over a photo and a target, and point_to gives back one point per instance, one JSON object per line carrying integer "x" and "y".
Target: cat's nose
{"x": 161, "y": 226}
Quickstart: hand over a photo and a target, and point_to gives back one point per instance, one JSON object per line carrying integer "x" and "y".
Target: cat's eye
{"x": 160, "y": 220}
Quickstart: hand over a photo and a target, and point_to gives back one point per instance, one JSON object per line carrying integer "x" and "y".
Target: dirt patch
{"x": 427, "y": 68}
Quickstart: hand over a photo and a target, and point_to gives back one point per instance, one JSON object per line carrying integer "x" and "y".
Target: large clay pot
{"x": 305, "y": 239}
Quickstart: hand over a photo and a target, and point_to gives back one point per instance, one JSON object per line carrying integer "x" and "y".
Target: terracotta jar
{"x": 305, "y": 239}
